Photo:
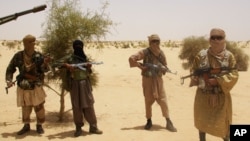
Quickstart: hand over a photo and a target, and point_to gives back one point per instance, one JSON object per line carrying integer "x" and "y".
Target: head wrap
{"x": 28, "y": 39}
{"x": 28, "y": 43}
{"x": 153, "y": 37}
{"x": 78, "y": 43}
{"x": 217, "y": 32}
{"x": 218, "y": 50}
{"x": 78, "y": 49}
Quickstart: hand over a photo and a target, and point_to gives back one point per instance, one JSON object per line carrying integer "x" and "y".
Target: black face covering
{"x": 78, "y": 49}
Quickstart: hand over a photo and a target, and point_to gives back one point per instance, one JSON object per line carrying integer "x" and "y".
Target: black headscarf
{"x": 78, "y": 49}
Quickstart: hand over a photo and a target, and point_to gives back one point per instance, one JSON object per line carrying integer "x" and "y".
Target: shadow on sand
{"x": 155, "y": 127}
{"x": 17, "y": 137}
{"x": 52, "y": 121}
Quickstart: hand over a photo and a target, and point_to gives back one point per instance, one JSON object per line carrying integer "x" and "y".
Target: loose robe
{"x": 30, "y": 97}
{"x": 213, "y": 112}
{"x": 80, "y": 89}
{"x": 82, "y": 99}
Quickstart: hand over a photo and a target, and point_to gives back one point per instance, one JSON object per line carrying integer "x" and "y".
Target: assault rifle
{"x": 207, "y": 71}
{"x": 16, "y": 15}
{"x": 79, "y": 65}
{"x": 156, "y": 68}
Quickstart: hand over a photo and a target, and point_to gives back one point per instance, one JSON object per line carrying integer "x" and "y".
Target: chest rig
{"x": 78, "y": 74}
{"x": 150, "y": 58}
{"x": 205, "y": 63}
{"x": 30, "y": 75}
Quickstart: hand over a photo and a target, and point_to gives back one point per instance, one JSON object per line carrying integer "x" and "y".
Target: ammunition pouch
{"x": 37, "y": 58}
{"x": 26, "y": 85}
{"x": 79, "y": 74}
{"x": 212, "y": 90}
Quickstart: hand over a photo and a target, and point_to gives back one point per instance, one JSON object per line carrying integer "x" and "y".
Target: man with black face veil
{"x": 82, "y": 99}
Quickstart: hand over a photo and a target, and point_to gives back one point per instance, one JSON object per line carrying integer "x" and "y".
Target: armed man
{"x": 78, "y": 83}
{"x": 153, "y": 67}
{"x": 30, "y": 93}
{"x": 213, "y": 104}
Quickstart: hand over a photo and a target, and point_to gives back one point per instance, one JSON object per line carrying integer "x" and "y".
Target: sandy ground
{"x": 119, "y": 103}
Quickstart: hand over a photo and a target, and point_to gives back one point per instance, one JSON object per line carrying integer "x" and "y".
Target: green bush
{"x": 192, "y": 45}
{"x": 11, "y": 44}
{"x": 242, "y": 59}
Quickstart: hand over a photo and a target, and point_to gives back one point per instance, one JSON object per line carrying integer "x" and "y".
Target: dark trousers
{"x": 88, "y": 113}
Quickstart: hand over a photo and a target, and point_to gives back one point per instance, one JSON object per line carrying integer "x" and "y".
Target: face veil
{"x": 78, "y": 49}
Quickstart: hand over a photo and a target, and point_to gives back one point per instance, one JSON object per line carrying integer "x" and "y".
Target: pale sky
{"x": 170, "y": 19}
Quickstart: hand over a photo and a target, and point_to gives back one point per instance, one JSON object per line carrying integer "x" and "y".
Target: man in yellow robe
{"x": 213, "y": 104}
{"x": 153, "y": 67}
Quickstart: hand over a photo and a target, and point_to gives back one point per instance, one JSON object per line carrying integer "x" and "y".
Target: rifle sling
{"x": 155, "y": 56}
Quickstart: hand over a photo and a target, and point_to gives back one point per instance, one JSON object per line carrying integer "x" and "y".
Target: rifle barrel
{"x": 16, "y": 15}
{"x": 39, "y": 8}
{"x": 34, "y": 10}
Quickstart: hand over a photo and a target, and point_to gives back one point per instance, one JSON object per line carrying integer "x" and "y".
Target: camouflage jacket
{"x": 37, "y": 69}
{"x": 150, "y": 58}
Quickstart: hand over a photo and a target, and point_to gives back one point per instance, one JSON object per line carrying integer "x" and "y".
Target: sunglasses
{"x": 32, "y": 41}
{"x": 216, "y": 37}
{"x": 155, "y": 41}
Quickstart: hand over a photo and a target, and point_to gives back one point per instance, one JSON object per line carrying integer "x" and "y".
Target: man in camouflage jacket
{"x": 30, "y": 93}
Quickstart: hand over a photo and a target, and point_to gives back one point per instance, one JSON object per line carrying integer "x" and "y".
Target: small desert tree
{"x": 65, "y": 23}
{"x": 192, "y": 45}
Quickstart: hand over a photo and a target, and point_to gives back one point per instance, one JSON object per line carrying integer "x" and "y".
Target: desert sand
{"x": 119, "y": 103}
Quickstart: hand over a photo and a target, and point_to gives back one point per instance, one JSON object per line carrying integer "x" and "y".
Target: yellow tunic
{"x": 213, "y": 112}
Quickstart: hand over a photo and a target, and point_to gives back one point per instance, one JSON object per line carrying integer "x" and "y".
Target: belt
{"x": 213, "y": 90}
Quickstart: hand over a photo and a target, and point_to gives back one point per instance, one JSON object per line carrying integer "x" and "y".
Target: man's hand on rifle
{"x": 165, "y": 69}
{"x": 212, "y": 82}
{"x": 89, "y": 65}
{"x": 142, "y": 67}
{"x": 10, "y": 84}
{"x": 194, "y": 81}
{"x": 69, "y": 67}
